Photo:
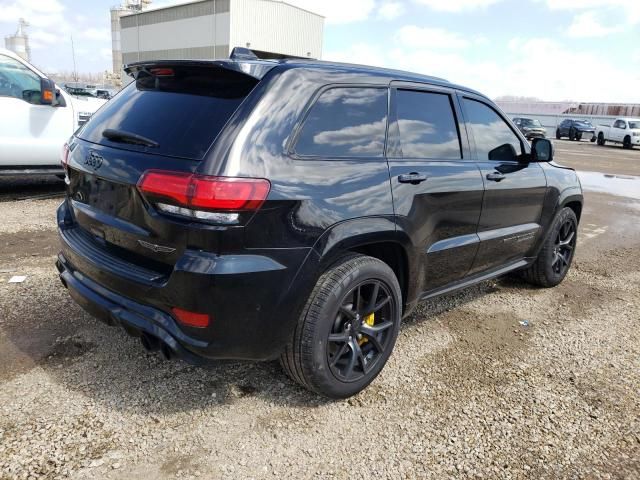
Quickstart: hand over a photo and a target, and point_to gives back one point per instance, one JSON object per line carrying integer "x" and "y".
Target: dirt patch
{"x": 18, "y": 245}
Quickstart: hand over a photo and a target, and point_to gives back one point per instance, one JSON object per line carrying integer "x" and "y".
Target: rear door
{"x": 437, "y": 189}
{"x": 514, "y": 189}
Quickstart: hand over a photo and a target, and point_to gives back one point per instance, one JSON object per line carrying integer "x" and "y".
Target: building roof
{"x": 165, "y": 7}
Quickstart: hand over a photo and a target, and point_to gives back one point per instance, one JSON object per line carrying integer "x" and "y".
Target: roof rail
{"x": 240, "y": 53}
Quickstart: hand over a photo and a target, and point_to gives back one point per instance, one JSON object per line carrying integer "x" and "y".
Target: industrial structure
{"x": 525, "y": 107}
{"x": 19, "y": 42}
{"x": 209, "y": 29}
{"x": 127, "y": 7}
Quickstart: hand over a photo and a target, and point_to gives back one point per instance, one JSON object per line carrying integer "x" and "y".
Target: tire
{"x": 572, "y": 135}
{"x": 334, "y": 351}
{"x": 555, "y": 257}
{"x": 626, "y": 143}
{"x": 558, "y": 134}
{"x": 578, "y": 136}
{"x": 601, "y": 139}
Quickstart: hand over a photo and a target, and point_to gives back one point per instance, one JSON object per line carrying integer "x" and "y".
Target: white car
{"x": 624, "y": 130}
{"x": 36, "y": 118}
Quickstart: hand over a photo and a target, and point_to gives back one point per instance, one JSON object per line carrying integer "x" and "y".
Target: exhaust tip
{"x": 166, "y": 351}
{"x": 149, "y": 342}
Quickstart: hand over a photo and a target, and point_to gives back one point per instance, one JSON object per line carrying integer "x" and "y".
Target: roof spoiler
{"x": 252, "y": 68}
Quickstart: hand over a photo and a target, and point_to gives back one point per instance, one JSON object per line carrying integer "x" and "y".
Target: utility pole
{"x": 73, "y": 54}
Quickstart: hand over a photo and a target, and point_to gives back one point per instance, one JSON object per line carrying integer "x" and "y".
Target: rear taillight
{"x": 191, "y": 319}
{"x": 214, "y": 199}
{"x": 64, "y": 156}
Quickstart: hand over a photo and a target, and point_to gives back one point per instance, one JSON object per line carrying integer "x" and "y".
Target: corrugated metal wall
{"x": 276, "y": 27}
{"x": 209, "y": 29}
{"x": 194, "y": 30}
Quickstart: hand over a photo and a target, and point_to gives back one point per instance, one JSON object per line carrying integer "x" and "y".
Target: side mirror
{"x": 505, "y": 152}
{"x": 47, "y": 91}
{"x": 541, "y": 150}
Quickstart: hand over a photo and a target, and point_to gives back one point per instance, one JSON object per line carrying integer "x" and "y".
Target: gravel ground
{"x": 497, "y": 381}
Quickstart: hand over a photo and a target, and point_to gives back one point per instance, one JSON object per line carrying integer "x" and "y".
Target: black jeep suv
{"x": 298, "y": 209}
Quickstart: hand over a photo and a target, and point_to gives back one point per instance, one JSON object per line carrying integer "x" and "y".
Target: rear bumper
{"x": 249, "y": 297}
{"x": 136, "y": 319}
{"x": 31, "y": 170}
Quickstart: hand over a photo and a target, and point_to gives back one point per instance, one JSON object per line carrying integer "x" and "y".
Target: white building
{"x": 209, "y": 29}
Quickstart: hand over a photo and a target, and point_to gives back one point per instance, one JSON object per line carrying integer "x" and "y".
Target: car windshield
{"x": 634, "y": 124}
{"x": 528, "y": 122}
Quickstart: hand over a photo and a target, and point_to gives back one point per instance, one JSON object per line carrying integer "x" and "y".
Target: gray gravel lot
{"x": 469, "y": 392}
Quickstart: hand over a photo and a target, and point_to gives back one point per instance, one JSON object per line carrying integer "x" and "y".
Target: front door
{"x": 618, "y": 130}
{"x": 514, "y": 189}
{"x": 437, "y": 189}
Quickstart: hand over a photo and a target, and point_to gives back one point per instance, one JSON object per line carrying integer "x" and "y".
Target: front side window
{"x": 427, "y": 125}
{"x": 17, "y": 81}
{"x": 619, "y": 124}
{"x": 345, "y": 122}
{"x": 493, "y": 137}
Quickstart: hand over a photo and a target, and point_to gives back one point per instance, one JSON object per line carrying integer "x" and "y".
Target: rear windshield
{"x": 182, "y": 110}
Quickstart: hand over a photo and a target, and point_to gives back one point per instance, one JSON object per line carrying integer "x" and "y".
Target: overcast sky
{"x": 585, "y": 50}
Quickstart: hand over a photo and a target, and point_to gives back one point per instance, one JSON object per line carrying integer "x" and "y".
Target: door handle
{"x": 496, "y": 176}
{"x": 414, "y": 178}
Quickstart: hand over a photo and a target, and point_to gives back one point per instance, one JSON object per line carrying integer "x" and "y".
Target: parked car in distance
{"x": 530, "y": 127}
{"x": 263, "y": 209}
{"x": 576, "y": 130}
{"x": 36, "y": 118}
{"x": 104, "y": 93}
{"x": 623, "y": 130}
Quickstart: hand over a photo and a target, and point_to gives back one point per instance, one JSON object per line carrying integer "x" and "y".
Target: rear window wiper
{"x": 128, "y": 137}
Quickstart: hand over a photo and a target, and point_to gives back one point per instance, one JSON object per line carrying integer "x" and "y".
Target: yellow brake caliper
{"x": 369, "y": 320}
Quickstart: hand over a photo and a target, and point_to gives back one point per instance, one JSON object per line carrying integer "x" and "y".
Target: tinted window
{"x": 182, "y": 112}
{"x": 492, "y": 135}
{"x": 345, "y": 122}
{"x": 16, "y": 80}
{"x": 427, "y": 125}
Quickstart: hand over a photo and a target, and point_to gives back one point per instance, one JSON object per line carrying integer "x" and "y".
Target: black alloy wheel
{"x": 626, "y": 143}
{"x": 565, "y": 243}
{"x": 558, "y": 134}
{"x": 348, "y": 328}
{"x": 361, "y": 331}
{"x": 557, "y": 252}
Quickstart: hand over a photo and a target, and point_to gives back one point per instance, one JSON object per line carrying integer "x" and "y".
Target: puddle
{"x": 620, "y": 185}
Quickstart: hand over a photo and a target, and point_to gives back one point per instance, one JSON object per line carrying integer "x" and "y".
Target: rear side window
{"x": 427, "y": 125}
{"x": 345, "y": 122}
{"x": 493, "y": 137}
{"x": 182, "y": 111}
